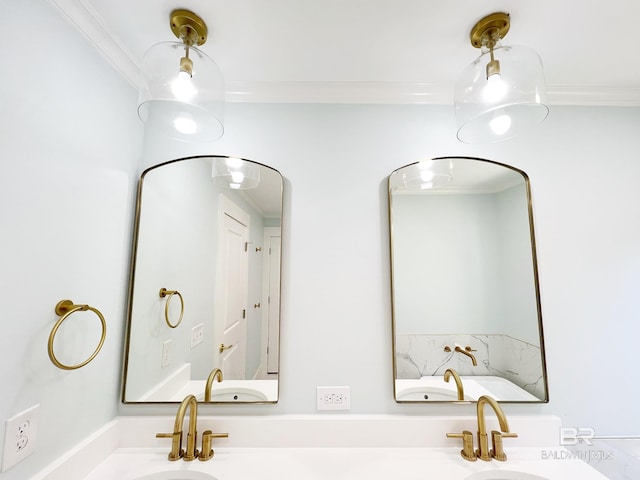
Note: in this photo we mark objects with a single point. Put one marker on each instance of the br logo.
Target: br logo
(573, 436)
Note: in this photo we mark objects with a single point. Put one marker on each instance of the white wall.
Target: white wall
(446, 265)
(177, 247)
(71, 147)
(336, 326)
(466, 266)
(70, 140)
(519, 313)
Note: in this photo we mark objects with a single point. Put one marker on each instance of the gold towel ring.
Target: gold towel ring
(64, 308)
(170, 293)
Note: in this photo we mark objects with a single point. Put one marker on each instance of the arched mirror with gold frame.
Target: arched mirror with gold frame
(205, 283)
(466, 302)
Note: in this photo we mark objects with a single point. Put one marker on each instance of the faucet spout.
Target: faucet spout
(450, 372)
(216, 373)
(189, 403)
(502, 419)
(177, 452)
(468, 354)
(483, 452)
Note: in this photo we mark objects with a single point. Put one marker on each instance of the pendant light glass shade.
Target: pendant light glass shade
(182, 90)
(502, 92)
(426, 175)
(235, 173)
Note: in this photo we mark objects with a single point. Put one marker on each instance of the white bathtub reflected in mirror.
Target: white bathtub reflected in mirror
(435, 389)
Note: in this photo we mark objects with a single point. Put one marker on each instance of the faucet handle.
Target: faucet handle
(207, 437)
(467, 451)
(497, 451)
(176, 452)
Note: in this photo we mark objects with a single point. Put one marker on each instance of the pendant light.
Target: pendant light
(427, 174)
(502, 92)
(235, 173)
(182, 90)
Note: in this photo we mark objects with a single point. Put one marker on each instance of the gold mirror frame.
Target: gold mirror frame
(197, 176)
(451, 349)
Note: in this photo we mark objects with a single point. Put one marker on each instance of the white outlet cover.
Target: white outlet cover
(197, 334)
(20, 437)
(333, 398)
(166, 353)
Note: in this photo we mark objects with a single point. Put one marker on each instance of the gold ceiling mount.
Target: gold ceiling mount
(488, 28)
(188, 27)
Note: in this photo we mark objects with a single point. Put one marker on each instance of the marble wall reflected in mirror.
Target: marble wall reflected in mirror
(205, 283)
(465, 289)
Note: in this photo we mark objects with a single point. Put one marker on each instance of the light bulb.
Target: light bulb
(237, 177)
(500, 123)
(234, 186)
(495, 89)
(185, 125)
(426, 175)
(182, 87)
(233, 162)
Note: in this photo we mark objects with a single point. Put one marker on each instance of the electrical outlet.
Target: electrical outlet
(20, 437)
(197, 334)
(166, 353)
(333, 398)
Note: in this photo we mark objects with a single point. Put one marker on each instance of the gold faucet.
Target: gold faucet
(216, 373)
(177, 452)
(467, 351)
(191, 452)
(483, 452)
(450, 372)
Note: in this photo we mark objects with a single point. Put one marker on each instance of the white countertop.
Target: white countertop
(310, 447)
(338, 463)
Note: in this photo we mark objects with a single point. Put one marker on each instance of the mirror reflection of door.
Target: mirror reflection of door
(230, 330)
(271, 315)
(224, 259)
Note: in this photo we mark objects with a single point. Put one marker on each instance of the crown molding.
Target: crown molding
(340, 92)
(91, 25)
(581, 95)
(82, 15)
(410, 93)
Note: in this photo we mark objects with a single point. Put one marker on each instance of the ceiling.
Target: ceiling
(378, 51)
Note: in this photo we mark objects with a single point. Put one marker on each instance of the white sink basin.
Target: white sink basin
(429, 393)
(504, 475)
(177, 475)
(236, 394)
